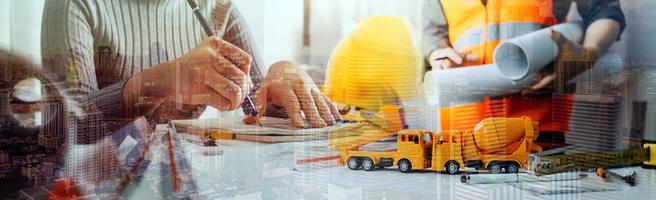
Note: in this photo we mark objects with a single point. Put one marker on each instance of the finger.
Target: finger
(558, 37)
(471, 57)
(333, 108)
(231, 71)
(448, 64)
(261, 100)
(453, 56)
(435, 64)
(543, 83)
(308, 105)
(322, 106)
(249, 119)
(235, 54)
(224, 87)
(217, 101)
(292, 107)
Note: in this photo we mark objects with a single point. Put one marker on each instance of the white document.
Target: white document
(469, 84)
(126, 147)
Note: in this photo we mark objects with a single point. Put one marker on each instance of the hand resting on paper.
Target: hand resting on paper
(289, 92)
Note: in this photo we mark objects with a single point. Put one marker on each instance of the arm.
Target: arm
(434, 28)
(67, 48)
(435, 41)
(605, 21)
(213, 73)
(601, 34)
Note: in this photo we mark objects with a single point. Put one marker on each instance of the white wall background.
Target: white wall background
(277, 27)
(331, 20)
(20, 27)
(4, 24)
(638, 46)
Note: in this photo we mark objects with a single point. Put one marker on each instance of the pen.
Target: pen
(203, 22)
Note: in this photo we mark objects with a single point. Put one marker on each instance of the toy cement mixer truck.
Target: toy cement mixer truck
(501, 145)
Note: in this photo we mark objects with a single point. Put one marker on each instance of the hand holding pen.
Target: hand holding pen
(238, 59)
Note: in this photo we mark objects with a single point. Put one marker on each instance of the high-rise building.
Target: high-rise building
(5, 108)
(91, 157)
(53, 114)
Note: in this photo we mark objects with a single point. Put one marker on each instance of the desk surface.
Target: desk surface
(245, 170)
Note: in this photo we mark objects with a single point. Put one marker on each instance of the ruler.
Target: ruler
(569, 160)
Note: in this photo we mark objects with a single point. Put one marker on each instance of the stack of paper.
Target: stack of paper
(273, 130)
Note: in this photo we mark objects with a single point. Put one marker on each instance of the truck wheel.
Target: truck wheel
(452, 167)
(353, 163)
(512, 168)
(494, 168)
(367, 164)
(405, 166)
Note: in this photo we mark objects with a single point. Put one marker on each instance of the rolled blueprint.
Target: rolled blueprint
(519, 57)
(469, 84)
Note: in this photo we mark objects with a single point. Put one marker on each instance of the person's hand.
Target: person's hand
(446, 58)
(573, 60)
(288, 87)
(215, 73)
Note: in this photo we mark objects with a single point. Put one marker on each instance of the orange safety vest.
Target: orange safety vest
(478, 28)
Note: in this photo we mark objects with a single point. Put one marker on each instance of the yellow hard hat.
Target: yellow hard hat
(378, 64)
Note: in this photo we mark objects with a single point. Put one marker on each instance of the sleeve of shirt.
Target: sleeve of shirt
(68, 63)
(237, 32)
(593, 10)
(434, 27)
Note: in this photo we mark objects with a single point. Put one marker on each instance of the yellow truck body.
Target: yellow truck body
(497, 144)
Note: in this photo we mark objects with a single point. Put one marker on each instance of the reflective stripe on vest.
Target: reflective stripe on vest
(495, 32)
(477, 28)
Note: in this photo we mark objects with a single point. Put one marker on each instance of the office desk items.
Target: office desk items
(628, 179)
(576, 159)
(521, 177)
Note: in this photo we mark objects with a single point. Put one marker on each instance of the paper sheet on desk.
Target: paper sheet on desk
(270, 126)
(273, 130)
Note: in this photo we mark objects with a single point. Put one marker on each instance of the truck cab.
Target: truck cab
(430, 150)
(415, 147)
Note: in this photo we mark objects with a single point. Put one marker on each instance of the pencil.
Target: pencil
(201, 19)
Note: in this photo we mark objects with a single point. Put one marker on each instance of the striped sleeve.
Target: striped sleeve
(67, 48)
(434, 27)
